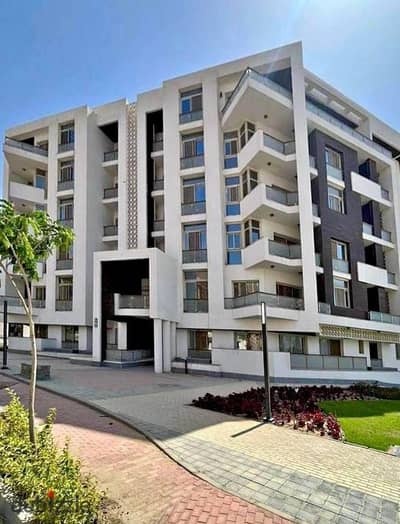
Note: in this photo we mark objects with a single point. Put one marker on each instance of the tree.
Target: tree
(27, 239)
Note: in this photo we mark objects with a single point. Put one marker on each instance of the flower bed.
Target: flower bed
(48, 480)
(294, 407)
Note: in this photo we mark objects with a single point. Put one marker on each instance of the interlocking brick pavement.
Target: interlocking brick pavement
(148, 486)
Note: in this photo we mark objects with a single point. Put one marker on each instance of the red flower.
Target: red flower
(50, 494)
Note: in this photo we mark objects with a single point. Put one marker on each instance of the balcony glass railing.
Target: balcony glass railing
(64, 263)
(385, 194)
(158, 225)
(340, 265)
(110, 192)
(190, 256)
(285, 148)
(192, 161)
(193, 208)
(327, 362)
(69, 146)
(195, 305)
(110, 156)
(251, 73)
(64, 185)
(386, 235)
(185, 118)
(110, 231)
(66, 222)
(334, 172)
(270, 300)
(391, 278)
(324, 308)
(134, 301)
(38, 303)
(25, 147)
(315, 210)
(291, 251)
(158, 142)
(377, 316)
(318, 259)
(356, 134)
(158, 184)
(283, 197)
(368, 229)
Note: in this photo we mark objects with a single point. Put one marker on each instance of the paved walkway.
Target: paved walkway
(143, 483)
(308, 477)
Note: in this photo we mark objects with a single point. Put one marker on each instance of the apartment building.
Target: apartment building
(253, 181)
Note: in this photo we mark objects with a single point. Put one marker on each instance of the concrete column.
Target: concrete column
(122, 335)
(173, 341)
(158, 345)
(84, 338)
(167, 346)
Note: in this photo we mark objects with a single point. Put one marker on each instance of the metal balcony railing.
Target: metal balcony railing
(158, 184)
(193, 208)
(192, 161)
(283, 197)
(377, 316)
(195, 305)
(64, 263)
(158, 142)
(386, 235)
(110, 192)
(356, 134)
(327, 362)
(291, 251)
(110, 156)
(368, 229)
(69, 345)
(63, 305)
(251, 73)
(324, 308)
(110, 231)
(134, 302)
(38, 303)
(184, 118)
(376, 363)
(64, 185)
(285, 148)
(270, 300)
(62, 148)
(190, 256)
(25, 147)
(11, 301)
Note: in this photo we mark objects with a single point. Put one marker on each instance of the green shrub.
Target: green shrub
(49, 480)
(374, 391)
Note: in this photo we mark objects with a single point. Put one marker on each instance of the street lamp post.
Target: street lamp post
(5, 336)
(267, 395)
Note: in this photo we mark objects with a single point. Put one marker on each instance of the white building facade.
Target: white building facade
(249, 182)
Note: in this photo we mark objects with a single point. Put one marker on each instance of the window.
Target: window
(191, 101)
(64, 288)
(67, 133)
(66, 209)
(397, 351)
(194, 237)
(334, 163)
(335, 199)
(249, 181)
(40, 179)
(158, 209)
(361, 347)
(286, 290)
(248, 340)
(66, 171)
(200, 340)
(65, 254)
(194, 196)
(232, 195)
(247, 130)
(230, 149)
(158, 169)
(289, 343)
(196, 285)
(243, 288)
(17, 330)
(39, 293)
(330, 347)
(341, 292)
(233, 244)
(41, 331)
(251, 232)
(192, 145)
(70, 334)
(340, 259)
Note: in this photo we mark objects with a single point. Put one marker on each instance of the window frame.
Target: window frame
(233, 252)
(346, 292)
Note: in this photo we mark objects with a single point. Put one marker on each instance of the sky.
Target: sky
(57, 55)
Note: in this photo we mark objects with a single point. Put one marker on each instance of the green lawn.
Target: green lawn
(373, 423)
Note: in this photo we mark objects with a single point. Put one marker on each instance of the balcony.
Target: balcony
(158, 184)
(66, 222)
(334, 172)
(269, 253)
(158, 225)
(158, 143)
(131, 305)
(194, 256)
(10, 144)
(251, 95)
(195, 305)
(194, 208)
(387, 318)
(376, 276)
(285, 148)
(111, 156)
(327, 362)
(369, 237)
(26, 192)
(110, 192)
(342, 266)
(63, 148)
(38, 303)
(191, 162)
(186, 118)
(110, 231)
(347, 129)
(65, 185)
(64, 263)
(269, 299)
(63, 305)
(271, 203)
(369, 190)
